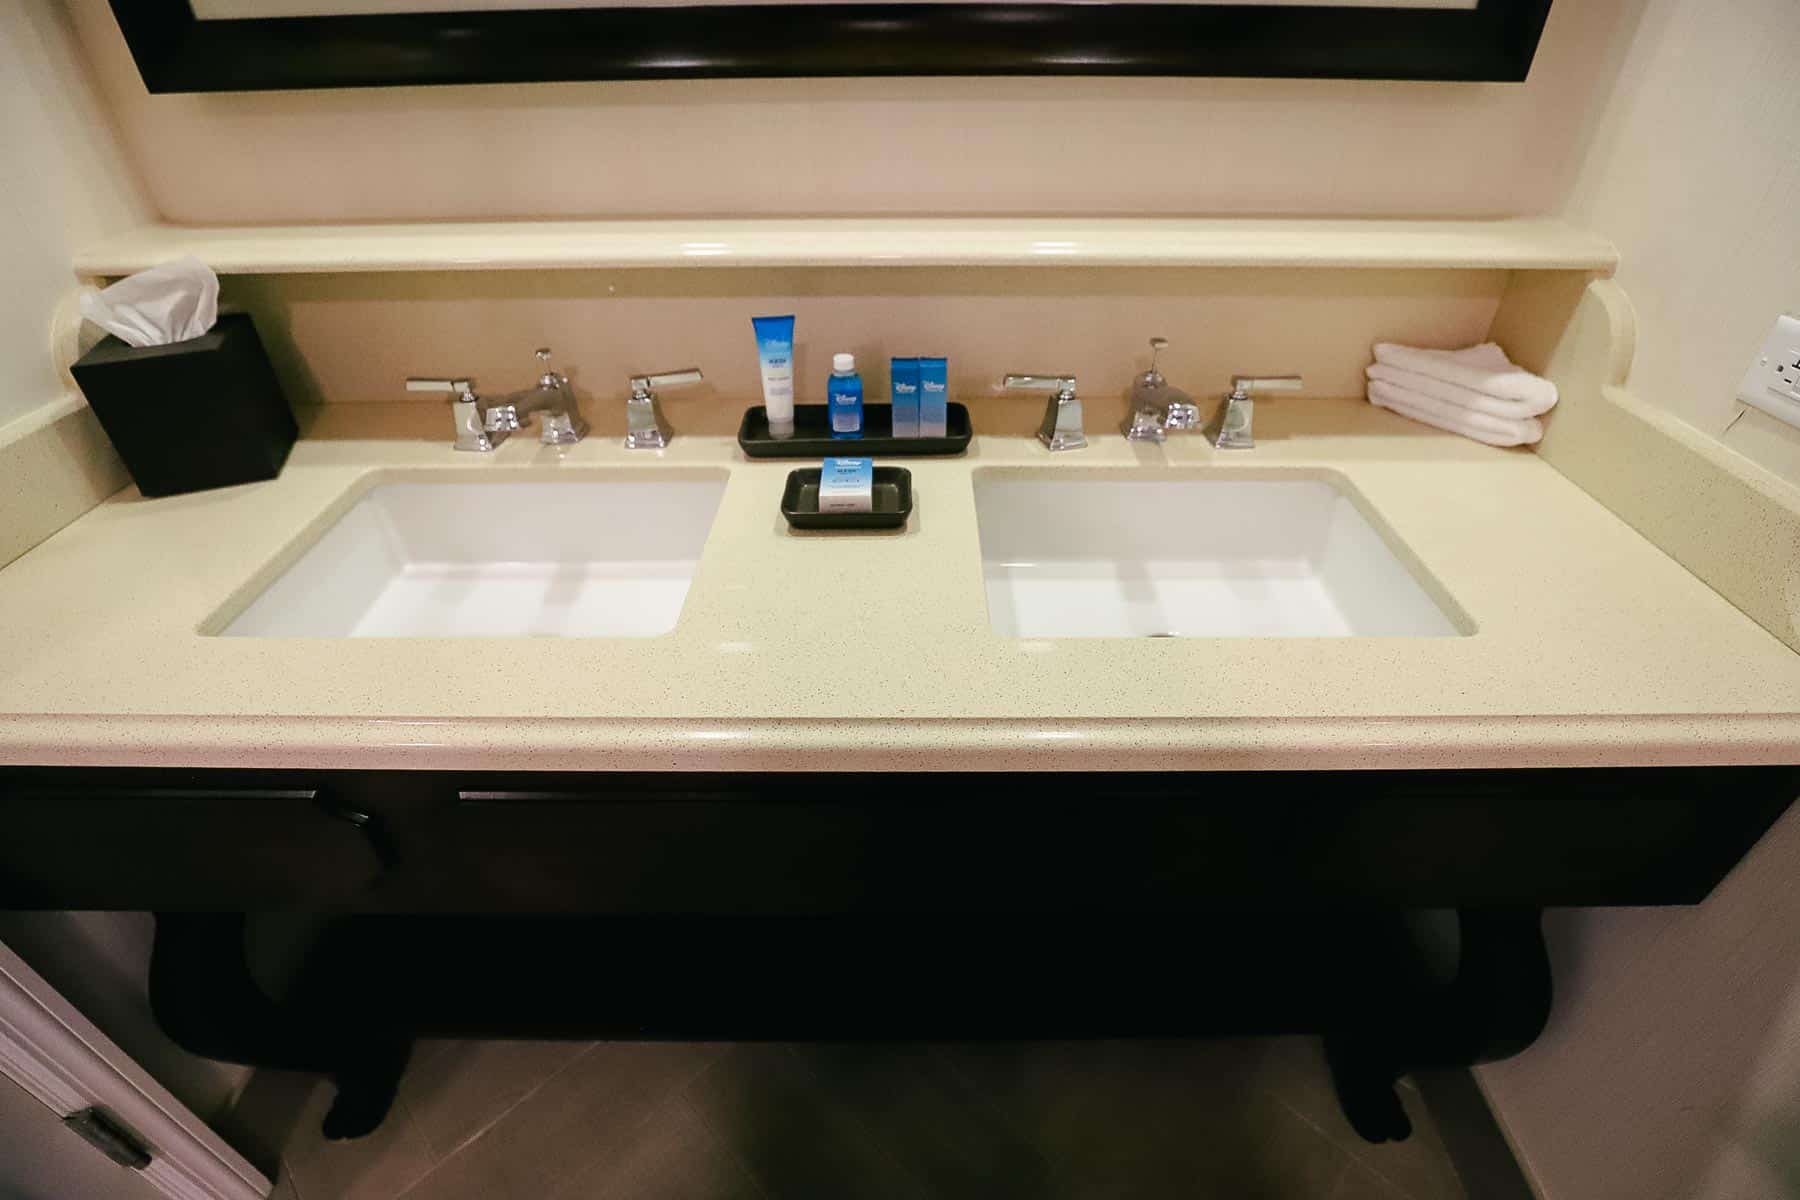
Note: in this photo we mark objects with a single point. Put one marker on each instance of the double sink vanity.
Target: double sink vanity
(494, 709)
(582, 739)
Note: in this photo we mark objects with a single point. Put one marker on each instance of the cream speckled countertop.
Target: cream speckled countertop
(1591, 646)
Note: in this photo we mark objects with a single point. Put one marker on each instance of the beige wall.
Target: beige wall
(872, 145)
(862, 146)
(1094, 323)
(63, 179)
(1695, 173)
(1671, 1070)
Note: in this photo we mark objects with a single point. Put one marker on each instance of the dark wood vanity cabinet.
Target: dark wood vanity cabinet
(695, 843)
(477, 904)
(177, 840)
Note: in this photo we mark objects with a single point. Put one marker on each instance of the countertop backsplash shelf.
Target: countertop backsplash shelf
(1508, 244)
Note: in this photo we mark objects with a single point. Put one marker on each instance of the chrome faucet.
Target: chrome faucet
(465, 409)
(645, 426)
(1061, 429)
(1156, 408)
(1230, 428)
(483, 423)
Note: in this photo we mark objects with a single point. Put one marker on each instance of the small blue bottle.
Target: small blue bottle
(843, 397)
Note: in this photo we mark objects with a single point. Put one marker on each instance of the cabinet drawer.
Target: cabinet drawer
(1140, 843)
(842, 845)
(176, 847)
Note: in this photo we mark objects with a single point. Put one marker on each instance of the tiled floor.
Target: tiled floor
(580, 1121)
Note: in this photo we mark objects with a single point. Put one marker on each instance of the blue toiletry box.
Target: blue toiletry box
(904, 392)
(934, 396)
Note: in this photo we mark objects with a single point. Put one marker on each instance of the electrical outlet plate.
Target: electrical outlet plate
(1772, 383)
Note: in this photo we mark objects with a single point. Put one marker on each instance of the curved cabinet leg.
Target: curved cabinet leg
(366, 1087)
(1364, 1081)
(1503, 989)
(204, 997)
(1494, 1006)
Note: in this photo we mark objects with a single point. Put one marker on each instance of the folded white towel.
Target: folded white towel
(1483, 427)
(1483, 368)
(1455, 393)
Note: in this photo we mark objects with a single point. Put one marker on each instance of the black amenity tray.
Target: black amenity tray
(812, 434)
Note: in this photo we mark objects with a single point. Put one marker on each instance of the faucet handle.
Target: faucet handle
(650, 381)
(1061, 429)
(474, 430)
(464, 388)
(1253, 385)
(1230, 427)
(1035, 382)
(645, 427)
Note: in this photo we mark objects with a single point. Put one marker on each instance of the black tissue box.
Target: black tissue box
(203, 413)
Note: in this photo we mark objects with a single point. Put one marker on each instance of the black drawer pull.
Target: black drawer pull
(373, 828)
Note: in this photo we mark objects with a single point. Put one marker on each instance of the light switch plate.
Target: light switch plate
(1772, 383)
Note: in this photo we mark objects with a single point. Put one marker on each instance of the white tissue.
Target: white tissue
(168, 303)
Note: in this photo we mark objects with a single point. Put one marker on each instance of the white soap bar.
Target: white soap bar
(847, 485)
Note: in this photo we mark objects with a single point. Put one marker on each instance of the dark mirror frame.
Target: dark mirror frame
(176, 52)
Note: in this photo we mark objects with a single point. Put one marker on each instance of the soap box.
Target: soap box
(846, 485)
(904, 392)
(934, 396)
(203, 413)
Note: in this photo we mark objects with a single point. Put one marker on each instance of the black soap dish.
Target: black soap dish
(812, 434)
(891, 500)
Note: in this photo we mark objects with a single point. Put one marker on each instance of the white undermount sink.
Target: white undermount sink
(497, 558)
(1071, 554)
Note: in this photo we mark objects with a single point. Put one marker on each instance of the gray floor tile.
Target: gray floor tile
(929, 1119)
(1091, 1120)
(1360, 1183)
(674, 1156)
(588, 1114)
(377, 1167)
(456, 1089)
(791, 1131)
(1153, 1120)
(1419, 1168)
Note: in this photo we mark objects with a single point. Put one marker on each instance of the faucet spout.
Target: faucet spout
(1157, 408)
(552, 396)
(1181, 413)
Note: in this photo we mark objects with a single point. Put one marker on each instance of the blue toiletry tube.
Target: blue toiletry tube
(934, 397)
(904, 389)
(847, 485)
(844, 398)
(775, 355)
